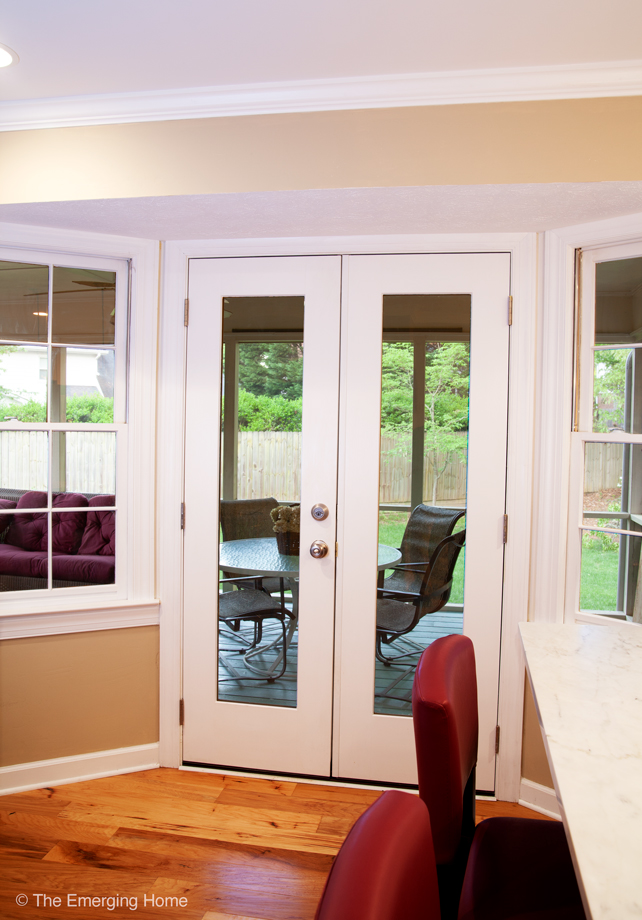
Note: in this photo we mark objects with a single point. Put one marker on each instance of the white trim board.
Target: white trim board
(539, 798)
(86, 619)
(23, 777)
(454, 87)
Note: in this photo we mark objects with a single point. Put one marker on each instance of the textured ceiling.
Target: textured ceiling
(432, 209)
(75, 47)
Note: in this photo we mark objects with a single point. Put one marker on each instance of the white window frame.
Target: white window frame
(583, 422)
(554, 583)
(132, 600)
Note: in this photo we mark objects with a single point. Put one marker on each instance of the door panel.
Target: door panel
(260, 735)
(375, 746)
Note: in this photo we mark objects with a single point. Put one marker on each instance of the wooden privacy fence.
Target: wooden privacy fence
(90, 458)
(269, 463)
(602, 467)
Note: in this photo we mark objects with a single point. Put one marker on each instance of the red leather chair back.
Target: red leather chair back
(444, 712)
(385, 869)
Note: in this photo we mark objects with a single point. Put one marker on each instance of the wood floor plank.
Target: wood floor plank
(261, 786)
(53, 827)
(279, 861)
(491, 809)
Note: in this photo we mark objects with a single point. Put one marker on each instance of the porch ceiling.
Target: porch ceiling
(340, 212)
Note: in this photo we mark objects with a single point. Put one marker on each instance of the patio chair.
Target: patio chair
(511, 867)
(253, 605)
(427, 526)
(385, 869)
(399, 612)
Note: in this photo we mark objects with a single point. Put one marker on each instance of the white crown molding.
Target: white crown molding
(509, 84)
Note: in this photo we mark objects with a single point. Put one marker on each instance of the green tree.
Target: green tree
(271, 369)
(446, 406)
(609, 384)
(268, 413)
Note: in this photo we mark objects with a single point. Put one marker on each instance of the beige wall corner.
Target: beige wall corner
(76, 693)
(570, 140)
(534, 761)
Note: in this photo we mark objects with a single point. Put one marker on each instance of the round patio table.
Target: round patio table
(260, 557)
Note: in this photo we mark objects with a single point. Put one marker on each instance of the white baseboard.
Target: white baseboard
(23, 777)
(539, 798)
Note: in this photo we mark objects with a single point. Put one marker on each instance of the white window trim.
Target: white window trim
(523, 249)
(137, 591)
(554, 586)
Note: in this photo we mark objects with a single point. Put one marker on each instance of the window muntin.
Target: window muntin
(62, 406)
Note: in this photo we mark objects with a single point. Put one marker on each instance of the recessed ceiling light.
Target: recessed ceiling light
(7, 56)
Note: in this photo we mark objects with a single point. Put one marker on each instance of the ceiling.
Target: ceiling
(340, 212)
(75, 47)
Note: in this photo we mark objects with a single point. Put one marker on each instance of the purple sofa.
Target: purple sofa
(82, 542)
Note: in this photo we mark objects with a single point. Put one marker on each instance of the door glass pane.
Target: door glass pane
(24, 302)
(617, 362)
(84, 306)
(260, 492)
(612, 501)
(424, 445)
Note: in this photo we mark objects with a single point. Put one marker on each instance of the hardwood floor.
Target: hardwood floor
(218, 847)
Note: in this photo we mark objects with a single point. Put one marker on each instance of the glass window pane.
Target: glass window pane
(24, 299)
(424, 435)
(84, 306)
(23, 383)
(82, 385)
(617, 371)
(260, 472)
(24, 458)
(84, 545)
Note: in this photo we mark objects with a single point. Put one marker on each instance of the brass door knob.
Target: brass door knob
(319, 549)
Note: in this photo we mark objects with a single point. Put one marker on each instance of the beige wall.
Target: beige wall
(577, 140)
(534, 762)
(77, 693)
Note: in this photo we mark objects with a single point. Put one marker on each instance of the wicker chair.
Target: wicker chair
(248, 519)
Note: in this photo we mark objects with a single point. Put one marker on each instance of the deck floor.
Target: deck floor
(282, 692)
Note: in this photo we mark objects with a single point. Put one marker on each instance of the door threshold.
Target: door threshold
(340, 782)
(344, 782)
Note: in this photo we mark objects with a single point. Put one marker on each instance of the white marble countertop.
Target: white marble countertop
(587, 683)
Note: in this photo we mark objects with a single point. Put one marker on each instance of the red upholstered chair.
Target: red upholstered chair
(385, 869)
(514, 867)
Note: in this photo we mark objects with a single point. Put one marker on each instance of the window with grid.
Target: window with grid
(63, 337)
(606, 461)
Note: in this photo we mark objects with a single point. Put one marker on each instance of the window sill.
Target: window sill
(83, 616)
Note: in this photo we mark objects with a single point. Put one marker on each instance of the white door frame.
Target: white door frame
(523, 250)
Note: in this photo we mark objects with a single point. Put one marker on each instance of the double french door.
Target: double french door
(368, 385)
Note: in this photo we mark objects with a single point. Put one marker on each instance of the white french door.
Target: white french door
(333, 311)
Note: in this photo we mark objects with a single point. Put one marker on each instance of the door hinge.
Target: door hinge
(505, 528)
(181, 712)
(186, 314)
(182, 515)
(510, 310)
(496, 738)
(336, 550)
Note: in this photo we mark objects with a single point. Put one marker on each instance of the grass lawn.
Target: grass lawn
(598, 589)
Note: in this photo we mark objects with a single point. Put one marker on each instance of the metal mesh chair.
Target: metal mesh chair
(253, 605)
(398, 612)
(427, 526)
